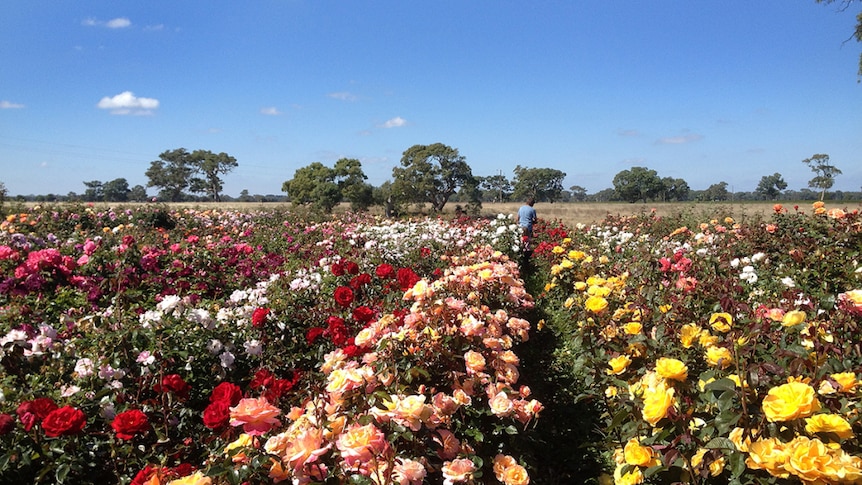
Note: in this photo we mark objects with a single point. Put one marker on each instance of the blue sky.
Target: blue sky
(707, 91)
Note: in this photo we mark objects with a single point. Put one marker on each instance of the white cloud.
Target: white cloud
(343, 96)
(10, 105)
(394, 122)
(117, 23)
(127, 103)
(270, 111)
(629, 133)
(679, 140)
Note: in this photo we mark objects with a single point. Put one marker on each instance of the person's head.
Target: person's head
(531, 201)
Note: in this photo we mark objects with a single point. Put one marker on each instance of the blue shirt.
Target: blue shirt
(526, 216)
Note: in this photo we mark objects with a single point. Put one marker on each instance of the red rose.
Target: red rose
(64, 421)
(363, 314)
(337, 269)
(312, 334)
(343, 296)
(385, 271)
(359, 281)
(262, 378)
(175, 384)
(351, 267)
(337, 330)
(7, 423)
(217, 415)
(227, 392)
(33, 412)
(129, 423)
(258, 317)
(406, 278)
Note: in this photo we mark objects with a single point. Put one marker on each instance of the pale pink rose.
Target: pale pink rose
(474, 361)
(255, 415)
(507, 373)
(459, 470)
(501, 405)
(471, 326)
(409, 472)
(359, 445)
(305, 448)
(444, 404)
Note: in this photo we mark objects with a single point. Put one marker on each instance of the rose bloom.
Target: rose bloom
(458, 471)
(596, 304)
(343, 296)
(255, 415)
(299, 446)
(196, 478)
(632, 328)
(258, 317)
(64, 421)
(846, 382)
(718, 356)
(792, 318)
(217, 414)
(7, 423)
(769, 454)
(688, 334)
(632, 477)
(501, 462)
(657, 401)
(636, 454)
(671, 369)
(790, 401)
(851, 301)
(227, 392)
(474, 361)
(500, 404)
(619, 364)
(829, 423)
(359, 445)
(130, 423)
(808, 459)
(174, 383)
(408, 472)
(721, 322)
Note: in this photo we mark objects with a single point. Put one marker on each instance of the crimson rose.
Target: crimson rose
(343, 296)
(64, 421)
(129, 423)
(217, 415)
(174, 383)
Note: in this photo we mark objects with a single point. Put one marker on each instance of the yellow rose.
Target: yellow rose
(829, 423)
(657, 401)
(736, 437)
(846, 381)
(638, 455)
(632, 477)
(196, 478)
(792, 318)
(637, 349)
(596, 304)
(770, 455)
(721, 322)
(558, 250)
(688, 334)
(719, 357)
(632, 328)
(576, 255)
(715, 467)
(706, 339)
(671, 369)
(601, 291)
(807, 459)
(515, 475)
(619, 364)
(790, 401)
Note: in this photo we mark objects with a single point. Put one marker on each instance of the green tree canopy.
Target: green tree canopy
(497, 187)
(770, 186)
(637, 183)
(579, 194)
(322, 188)
(430, 173)
(210, 166)
(824, 173)
(171, 173)
(674, 189)
(715, 192)
(116, 190)
(544, 184)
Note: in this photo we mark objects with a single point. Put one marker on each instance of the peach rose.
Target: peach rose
(359, 445)
(255, 415)
(459, 470)
(474, 361)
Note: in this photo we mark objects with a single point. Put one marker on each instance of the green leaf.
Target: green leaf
(724, 384)
(720, 444)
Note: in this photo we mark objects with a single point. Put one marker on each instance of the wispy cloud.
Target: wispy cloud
(343, 96)
(629, 133)
(117, 23)
(126, 103)
(10, 105)
(270, 111)
(679, 140)
(394, 122)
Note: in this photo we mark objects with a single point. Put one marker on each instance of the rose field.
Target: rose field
(155, 345)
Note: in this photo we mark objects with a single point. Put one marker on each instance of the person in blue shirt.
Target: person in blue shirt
(526, 218)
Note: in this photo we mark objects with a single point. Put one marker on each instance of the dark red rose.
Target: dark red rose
(262, 378)
(312, 334)
(217, 415)
(227, 392)
(130, 423)
(143, 477)
(337, 330)
(33, 412)
(385, 271)
(351, 267)
(258, 317)
(175, 384)
(425, 252)
(279, 388)
(337, 268)
(343, 296)
(360, 280)
(406, 278)
(363, 314)
(7, 423)
(64, 421)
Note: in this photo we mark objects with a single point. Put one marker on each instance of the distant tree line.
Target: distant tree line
(432, 175)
